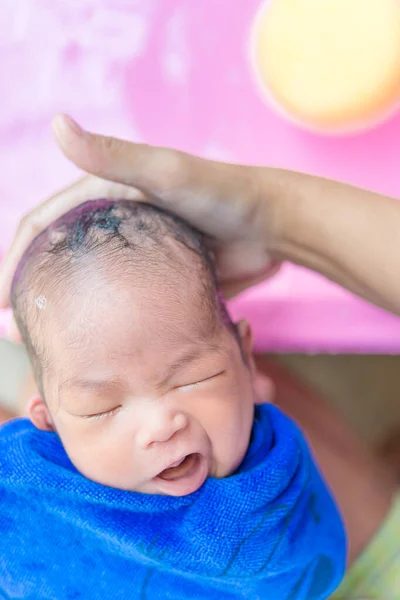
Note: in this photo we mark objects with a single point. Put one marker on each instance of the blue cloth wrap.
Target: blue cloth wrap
(269, 531)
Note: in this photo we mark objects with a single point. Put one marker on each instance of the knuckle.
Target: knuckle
(111, 144)
(106, 150)
(171, 168)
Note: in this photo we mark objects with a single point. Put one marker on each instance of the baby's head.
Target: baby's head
(137, 361)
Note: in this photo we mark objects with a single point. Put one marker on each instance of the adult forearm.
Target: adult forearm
(349, 235)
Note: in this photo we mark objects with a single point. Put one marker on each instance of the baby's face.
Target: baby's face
(146, 395)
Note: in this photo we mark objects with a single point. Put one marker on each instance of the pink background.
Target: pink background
(176, 72)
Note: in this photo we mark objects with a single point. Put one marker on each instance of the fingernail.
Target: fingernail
(64, 125)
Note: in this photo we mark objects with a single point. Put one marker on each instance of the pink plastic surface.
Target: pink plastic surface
(176, 72)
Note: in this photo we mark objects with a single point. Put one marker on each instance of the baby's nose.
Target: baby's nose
(160, 427)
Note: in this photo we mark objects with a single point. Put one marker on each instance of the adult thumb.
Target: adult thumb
(150, 169)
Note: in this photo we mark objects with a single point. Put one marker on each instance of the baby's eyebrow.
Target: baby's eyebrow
(92, 384)
(180, 363)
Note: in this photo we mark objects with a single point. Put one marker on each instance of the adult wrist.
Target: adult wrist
(278, 210)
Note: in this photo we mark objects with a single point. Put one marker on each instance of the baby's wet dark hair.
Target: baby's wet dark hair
(123, 234)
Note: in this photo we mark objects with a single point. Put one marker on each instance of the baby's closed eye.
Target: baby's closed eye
(102, 415)
(181, 387)
(188, 386)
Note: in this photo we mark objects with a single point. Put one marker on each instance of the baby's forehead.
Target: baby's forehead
(126, 313)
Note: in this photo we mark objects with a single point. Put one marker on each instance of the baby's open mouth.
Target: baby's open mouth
(184, 476)
(183, 468)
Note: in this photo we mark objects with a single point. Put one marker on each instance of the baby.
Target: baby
(149, 471)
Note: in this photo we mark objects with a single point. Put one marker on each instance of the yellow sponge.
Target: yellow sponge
(332, 65)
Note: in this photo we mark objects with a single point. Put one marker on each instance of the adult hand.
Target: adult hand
(255, 216)
(222, 200)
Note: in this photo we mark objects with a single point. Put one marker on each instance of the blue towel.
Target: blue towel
(269, 531)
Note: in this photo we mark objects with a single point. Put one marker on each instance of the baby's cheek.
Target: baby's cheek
(87, 453)
(228, 418)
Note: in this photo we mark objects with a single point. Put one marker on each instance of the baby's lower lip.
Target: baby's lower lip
(185, 478)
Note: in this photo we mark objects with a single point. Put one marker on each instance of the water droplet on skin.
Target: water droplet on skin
(41, 302)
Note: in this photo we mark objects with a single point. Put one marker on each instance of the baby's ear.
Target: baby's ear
(246, 343)
(39, 414)
(264, 389)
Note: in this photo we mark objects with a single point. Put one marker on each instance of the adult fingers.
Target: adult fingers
(232, 287)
